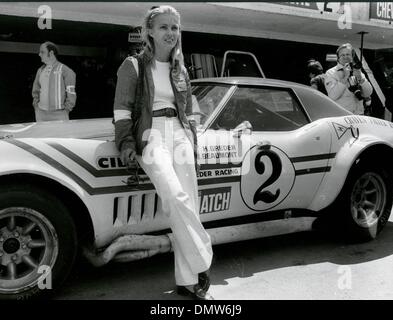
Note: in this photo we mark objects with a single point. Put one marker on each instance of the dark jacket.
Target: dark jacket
(135, 93)
(319, 82)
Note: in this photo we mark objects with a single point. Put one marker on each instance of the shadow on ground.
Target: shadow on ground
(153, 279)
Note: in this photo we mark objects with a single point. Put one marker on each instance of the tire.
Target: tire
(38, 242)
(364, 205)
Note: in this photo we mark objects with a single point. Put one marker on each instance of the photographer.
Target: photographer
(346, 84)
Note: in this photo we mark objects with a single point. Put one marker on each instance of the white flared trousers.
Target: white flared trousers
(168, 160)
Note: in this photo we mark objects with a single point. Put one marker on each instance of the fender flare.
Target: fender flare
(345, 159)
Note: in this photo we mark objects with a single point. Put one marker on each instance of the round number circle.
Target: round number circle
(267, 177)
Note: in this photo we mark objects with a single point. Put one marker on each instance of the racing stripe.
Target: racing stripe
(102, 190)
(123, 172)
(203, 182)
(209, 166)
(313, 157)
(312, 170)
(83, 184)
(87, 166)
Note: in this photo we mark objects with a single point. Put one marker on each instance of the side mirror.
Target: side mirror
(244, 127)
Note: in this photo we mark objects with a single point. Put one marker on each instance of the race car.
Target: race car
(274, 157)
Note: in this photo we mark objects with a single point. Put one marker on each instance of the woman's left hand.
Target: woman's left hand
(127, 156)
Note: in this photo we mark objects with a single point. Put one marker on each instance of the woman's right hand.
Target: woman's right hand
(127, 156)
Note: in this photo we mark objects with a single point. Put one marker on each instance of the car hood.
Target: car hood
(79, 129)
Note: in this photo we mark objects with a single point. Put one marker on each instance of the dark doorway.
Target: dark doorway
(16, 79)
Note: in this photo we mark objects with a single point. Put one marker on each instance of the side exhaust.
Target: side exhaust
(135, 247)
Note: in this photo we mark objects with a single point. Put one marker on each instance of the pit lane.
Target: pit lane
(298, 266)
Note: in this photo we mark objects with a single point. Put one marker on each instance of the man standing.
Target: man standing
(53, 91)
(346, 84)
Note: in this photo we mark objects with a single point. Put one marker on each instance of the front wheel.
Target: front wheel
(37, 242)
(365, 202)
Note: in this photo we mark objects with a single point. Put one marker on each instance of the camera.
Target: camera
(354, 87)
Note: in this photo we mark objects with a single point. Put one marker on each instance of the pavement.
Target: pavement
(305, 266)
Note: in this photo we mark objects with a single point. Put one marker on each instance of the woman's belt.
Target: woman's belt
(165, 112)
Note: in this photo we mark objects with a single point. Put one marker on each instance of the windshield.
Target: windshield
(205, 99)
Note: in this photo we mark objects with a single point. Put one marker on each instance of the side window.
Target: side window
(267, 109)
(318, 105)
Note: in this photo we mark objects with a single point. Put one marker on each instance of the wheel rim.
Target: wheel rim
(368, 199)
(28, 240)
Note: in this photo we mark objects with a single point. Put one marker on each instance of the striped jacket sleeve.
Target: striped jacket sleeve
(69, 79)
(123, 105)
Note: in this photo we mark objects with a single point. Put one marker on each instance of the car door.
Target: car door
(282, 162)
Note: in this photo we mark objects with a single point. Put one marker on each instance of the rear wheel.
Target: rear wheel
(37, 242)
(364, 205)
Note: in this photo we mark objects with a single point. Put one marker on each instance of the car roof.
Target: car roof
(251, 81)
(315, 103)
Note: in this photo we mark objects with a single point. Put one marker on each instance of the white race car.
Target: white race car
(275, 157)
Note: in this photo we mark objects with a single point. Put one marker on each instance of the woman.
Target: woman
(152, 99)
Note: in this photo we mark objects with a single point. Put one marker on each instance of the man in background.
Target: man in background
(53, 91)
(346, 84)
(317, 77)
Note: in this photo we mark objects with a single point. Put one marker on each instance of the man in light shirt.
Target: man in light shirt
(53, 91)
(346, 84)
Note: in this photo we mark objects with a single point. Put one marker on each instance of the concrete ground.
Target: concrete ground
(297, 266)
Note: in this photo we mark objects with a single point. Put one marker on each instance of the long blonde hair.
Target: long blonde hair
(177, 59)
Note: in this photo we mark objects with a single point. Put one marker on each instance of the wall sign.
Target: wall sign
(381, 11)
